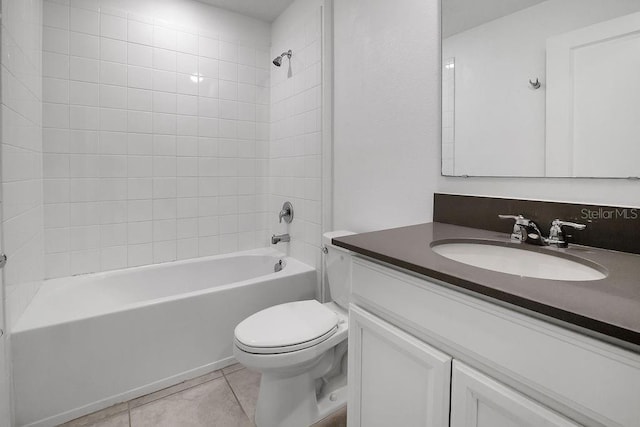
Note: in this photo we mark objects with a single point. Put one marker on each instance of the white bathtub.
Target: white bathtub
(87, 342)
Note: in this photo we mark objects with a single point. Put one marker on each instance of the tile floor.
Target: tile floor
(224, 398)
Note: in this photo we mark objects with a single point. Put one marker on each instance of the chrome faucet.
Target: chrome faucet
(527, 231)
(277, 238)
(557, 236)
(286, 213)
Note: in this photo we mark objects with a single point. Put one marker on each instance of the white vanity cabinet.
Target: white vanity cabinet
(397, 378)
(479, 401)
(508, 369)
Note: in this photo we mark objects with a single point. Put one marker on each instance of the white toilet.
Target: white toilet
(300, 348)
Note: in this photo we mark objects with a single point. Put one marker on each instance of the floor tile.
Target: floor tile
(208, 404)
(174, 389)
(111, 416)
(245, 385)
(232, 368)
(337, 419)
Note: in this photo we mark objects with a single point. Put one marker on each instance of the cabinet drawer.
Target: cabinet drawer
(591, 377)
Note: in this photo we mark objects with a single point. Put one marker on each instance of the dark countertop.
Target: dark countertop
(610, 306)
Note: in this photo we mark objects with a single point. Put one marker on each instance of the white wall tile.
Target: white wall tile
(84, 45)
(228, 52)
(164, 81)
(139, 122)
(114, 27)
(84, 21)
(208, 67)
(113, 258)
(55, 115)
(188, 84)
(139, 77)
(139, 99)
(187, 105)
(55, 40)
(164, 59)
(140, 32)
(113, 96)
(113, 50)
(83, 69)
(187, 42)
(55, 65)
(55, 15)
(55, 90)
(140, 254)
(164, 37)
(186, 63)
(133, 119)
(113, 119)
(84, 118)
(82, 93)
(208, 47)
(140, 55)
(113, 73)
(228, 71)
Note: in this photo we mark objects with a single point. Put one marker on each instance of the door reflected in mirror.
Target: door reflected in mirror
(536, 88)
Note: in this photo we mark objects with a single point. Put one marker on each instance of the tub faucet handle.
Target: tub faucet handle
(286, 213)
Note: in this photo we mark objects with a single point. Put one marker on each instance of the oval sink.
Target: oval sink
(521, 262)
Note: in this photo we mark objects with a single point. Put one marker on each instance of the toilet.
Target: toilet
(300, 349)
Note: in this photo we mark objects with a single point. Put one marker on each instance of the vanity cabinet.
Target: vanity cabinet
(508, 368)
(397, 377)
(479, 401)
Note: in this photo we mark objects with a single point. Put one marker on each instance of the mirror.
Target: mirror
(534, 88)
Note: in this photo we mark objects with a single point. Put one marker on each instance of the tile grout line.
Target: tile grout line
(170, 394)
(236, 396)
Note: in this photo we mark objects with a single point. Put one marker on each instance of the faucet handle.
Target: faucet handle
(556, 234)
(286, 213)
(519, 231)
(520, 220)
(560, 223)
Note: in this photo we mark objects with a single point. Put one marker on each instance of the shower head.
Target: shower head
(278, 61)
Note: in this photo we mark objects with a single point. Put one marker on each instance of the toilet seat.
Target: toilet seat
(286, 328)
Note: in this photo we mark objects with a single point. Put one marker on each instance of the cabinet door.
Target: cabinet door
(479, 401)
(394, 378)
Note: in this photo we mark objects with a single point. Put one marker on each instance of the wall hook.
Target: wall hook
(535, 85)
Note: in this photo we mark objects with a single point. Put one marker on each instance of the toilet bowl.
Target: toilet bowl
(300, 349)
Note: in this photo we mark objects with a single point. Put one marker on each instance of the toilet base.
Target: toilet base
(292, 402)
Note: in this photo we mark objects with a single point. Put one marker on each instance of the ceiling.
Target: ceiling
(462, 15)
(266, 10)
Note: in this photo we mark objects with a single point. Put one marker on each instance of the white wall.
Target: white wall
(596, 191)
(22, 236)
(296, 129)
(496, 112)
(387, 112)
(22, 151)
(156, 133)
(387, 124)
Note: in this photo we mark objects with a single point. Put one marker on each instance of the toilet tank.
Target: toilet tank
(337, 262)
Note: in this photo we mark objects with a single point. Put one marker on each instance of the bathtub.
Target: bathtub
(88, 342)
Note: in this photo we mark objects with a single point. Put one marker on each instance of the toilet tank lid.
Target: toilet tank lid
(326, 237)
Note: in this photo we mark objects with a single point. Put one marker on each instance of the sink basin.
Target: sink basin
(521, 262)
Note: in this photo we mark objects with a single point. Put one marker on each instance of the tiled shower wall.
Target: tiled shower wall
(155, 135)
(22, 152)
(296, 128)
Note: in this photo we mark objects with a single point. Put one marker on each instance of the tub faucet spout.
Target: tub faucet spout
(277, 238)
